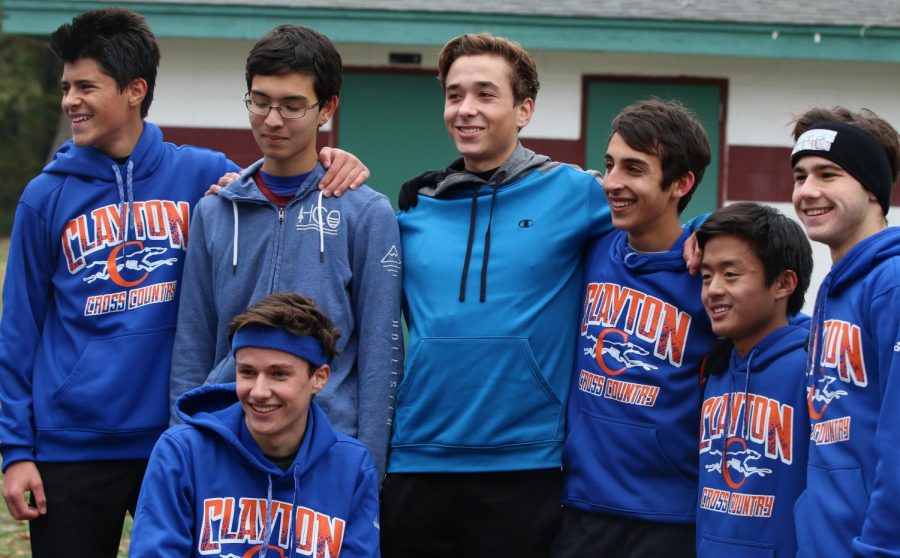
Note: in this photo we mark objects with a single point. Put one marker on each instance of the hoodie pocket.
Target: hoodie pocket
(477, 393)
(836, 497)
(119, 384)
(619, 465)
(715, 547)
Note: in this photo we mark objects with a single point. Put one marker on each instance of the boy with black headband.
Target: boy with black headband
(258, 466)
(844, 167)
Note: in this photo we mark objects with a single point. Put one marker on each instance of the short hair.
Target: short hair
(670, 131)
(294, 48)
(119, 40)
(523, 75)
(777, 240)
(295, 313)
(865, 119)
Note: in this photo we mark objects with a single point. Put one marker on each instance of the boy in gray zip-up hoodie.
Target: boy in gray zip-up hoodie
(272, 230)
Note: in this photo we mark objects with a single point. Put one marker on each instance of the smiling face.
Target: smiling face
(834, 207)
(100, 115)
(288, 145)
(480, 112)
(639, 205)
(275, 389)
(739, 304)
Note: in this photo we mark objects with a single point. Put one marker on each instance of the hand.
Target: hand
(692, 254)
(20, 477)
(227, 179)
(343, 171)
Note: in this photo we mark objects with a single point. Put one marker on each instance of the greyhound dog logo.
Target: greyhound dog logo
(620, 351)
(145, 259)
(737, 461)
(823, 395)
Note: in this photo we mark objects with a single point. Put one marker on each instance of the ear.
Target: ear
(136, 91)
(682, 186)
(785, 284)
(320, 378)
(328, 110)
(524, 112)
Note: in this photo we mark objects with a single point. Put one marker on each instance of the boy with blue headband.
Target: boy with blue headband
(257, 469)
(845, 165)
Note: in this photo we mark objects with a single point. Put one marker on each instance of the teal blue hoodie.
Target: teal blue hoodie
(492, 276)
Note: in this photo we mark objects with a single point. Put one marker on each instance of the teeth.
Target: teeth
(79, 119)
(621, 203)
(469, 130)
(719, 309)
(816, 212)
(264, 408)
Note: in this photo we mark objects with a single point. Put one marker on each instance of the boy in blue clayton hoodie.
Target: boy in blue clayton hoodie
(91, 293)
(272, 230)
(754, 428)
(257, 469)
(629, 464)
(844, 167)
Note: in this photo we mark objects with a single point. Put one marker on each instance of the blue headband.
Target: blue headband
(301, 346)
(854, 150)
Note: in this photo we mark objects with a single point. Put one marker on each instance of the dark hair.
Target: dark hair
(295, 313)
(119, 40)
(778, 242)
(865, 119)
(523, 76)
(670, 131)
(293, 48)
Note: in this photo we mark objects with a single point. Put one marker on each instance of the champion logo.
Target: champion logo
(897, 347)
(526, 223)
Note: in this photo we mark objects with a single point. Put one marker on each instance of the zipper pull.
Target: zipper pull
(281, 215)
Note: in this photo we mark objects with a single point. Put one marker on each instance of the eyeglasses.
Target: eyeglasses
(288, 112)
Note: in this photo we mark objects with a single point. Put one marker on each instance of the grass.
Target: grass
(14, 539)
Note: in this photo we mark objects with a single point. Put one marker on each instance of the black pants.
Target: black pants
(470, 515)
(86, 505)
(586, 534)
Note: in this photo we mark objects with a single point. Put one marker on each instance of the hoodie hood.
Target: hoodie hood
(89, 162)
(863, 258)
(649, 262)
(520, 162)
(245, 188)
(773, 346)
(215, 408)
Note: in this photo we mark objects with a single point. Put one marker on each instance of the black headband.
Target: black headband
(854, 150)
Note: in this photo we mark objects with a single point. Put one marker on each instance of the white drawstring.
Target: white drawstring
(234, 238)
(321, 231)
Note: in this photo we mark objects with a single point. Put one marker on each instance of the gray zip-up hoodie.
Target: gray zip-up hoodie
(344, 253)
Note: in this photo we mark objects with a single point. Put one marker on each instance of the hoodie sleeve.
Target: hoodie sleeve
(879, 533)
(599, 216)
(27, 291)
(164, 520)
(193, 354)
(375, 296)
(363, 531)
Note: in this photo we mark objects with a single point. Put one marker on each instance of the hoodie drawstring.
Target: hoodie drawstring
(487, 246)
(234, 238)
(126, 210)
(321, 230)
(728, 414)
(267, 529)
(465, 270)
(292, 545)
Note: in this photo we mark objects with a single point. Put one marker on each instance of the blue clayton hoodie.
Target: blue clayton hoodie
(851, 503)
(634, 403)
(489, 367)
(244, 247)
(747, 493)
(89, 306)
(209, 490)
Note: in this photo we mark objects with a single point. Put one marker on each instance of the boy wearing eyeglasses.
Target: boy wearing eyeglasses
(272, 230)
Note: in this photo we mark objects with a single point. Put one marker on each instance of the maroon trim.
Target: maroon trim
(238, 145)
(723, 118)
